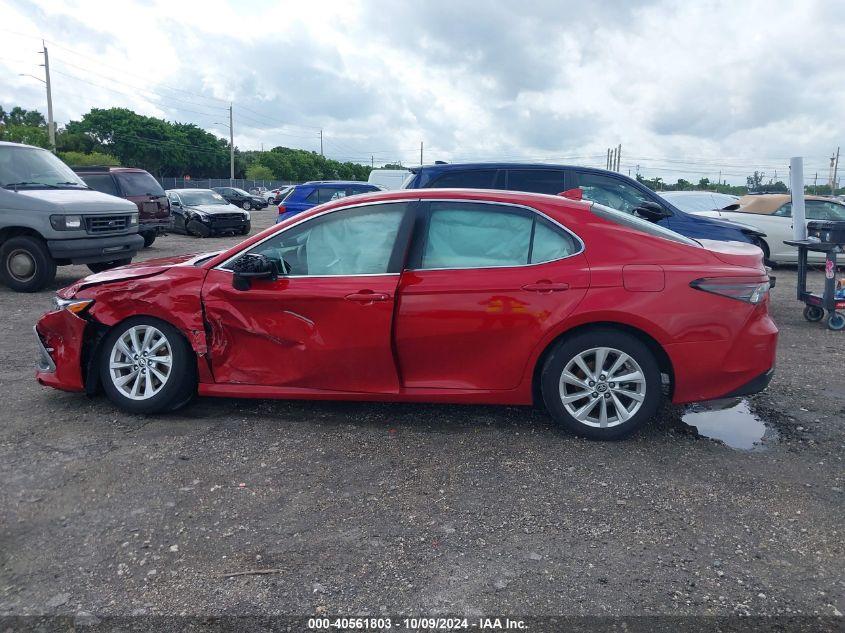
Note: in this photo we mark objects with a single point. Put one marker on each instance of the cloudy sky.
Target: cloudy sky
(687, 87)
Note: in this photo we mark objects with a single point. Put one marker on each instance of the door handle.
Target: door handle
(367, 296)
(544, 285)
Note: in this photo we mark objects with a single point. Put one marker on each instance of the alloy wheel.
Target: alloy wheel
(140, 362)
(602, 387)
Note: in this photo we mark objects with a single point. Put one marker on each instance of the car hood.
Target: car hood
(214, 209)
(138, 270)
(72, 201)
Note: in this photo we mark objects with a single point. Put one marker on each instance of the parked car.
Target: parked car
(204, 212)
(261, 192)
(599, 185)
(138, 186)
(49, 217)
(772, 214)
(694, 201)
(437, 295)
(275, 196)
(389, 179)
(302, 197)
(241, 198)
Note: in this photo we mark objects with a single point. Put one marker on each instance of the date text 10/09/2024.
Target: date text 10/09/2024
(415, 624)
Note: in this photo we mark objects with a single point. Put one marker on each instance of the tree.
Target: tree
(80, 159)
(754, 181)
(257, 171)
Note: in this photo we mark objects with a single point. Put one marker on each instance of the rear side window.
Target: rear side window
(324, 194)
(102, 182)
(138, 183)
(471, 235)
(466, 179)
(548, 181)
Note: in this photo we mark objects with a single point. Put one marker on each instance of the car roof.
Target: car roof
(11, 144)
(681, 194)
(97, 169)
(190, 189)
(767, 203)
(339, 183)
(495, 165)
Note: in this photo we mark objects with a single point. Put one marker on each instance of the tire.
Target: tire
(245, 230)
(813, 314)
(149, 238)
(99, 267)
(763, 246)
(26, 264)
(138, 385)
(605, 395)
(194, 227)
(836, 321)
(246, 205)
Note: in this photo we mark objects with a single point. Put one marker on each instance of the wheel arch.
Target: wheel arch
(8, 232)
(664, 363)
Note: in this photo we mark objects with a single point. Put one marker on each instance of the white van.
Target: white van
(390, 179)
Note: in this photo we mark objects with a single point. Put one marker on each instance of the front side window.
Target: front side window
(356, 241)
(610, 192)
(548, 181)
(472, 235)
(138, 183)
(823, 210)
(784, 211)
(103, 183)
(174, 198)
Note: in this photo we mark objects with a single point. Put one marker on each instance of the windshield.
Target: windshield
(639, 224)
(699, 202)
(201, 196)
(138, 183)
(30, 167)
(240, 191)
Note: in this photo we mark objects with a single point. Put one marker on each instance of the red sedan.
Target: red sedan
(456, 296)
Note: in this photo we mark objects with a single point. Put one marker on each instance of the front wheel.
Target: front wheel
(602, 384)
(149, 238)
(26, 264)
(147, 366)
(99, 267)
(246, 228)
(836, 321)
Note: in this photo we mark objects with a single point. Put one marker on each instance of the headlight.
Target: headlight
(133, 219)
(247, 216)
(66, 222)
(201, 215)
(77, 306)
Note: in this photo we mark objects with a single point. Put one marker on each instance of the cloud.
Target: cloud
(682, 86)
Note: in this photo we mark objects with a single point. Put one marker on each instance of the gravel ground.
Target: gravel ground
(415, 509)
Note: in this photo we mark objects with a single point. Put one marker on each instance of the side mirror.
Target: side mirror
(175, 203)
(254, 266)
(652, 211)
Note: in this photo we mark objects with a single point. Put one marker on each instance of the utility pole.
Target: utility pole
(51, 128)
(638, 171)
(815, 182)
(835, 169)
(421, 153)
(618, 156)
(372, 162)
(720, 176)
(231, 146)
(321, 142)
(607, 162)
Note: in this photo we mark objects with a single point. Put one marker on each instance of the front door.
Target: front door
(326, 324)
(485, 282)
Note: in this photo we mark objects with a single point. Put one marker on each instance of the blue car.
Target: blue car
(302, 197)
(609, 188)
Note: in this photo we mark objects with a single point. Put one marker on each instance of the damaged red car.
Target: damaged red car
(457, 296)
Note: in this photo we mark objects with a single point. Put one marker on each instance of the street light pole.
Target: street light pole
(51, 129)
(231, 147)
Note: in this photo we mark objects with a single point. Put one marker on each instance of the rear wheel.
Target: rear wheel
(147, 366)
(99, 267)
(761, 244)
(602, 384)
(247, 205)
(813, 313)
(149, 238)
(26, 264)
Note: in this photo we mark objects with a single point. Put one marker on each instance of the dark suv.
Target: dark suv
(138, 186)
(598, 185)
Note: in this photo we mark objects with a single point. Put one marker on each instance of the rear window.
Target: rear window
(103, 183)
(639, 224)
(138, 183)
(466, 179)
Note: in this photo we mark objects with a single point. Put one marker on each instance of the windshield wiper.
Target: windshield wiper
(15, 185)
(75, 184)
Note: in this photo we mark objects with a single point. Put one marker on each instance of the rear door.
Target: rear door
(484, 282)
(325, 325)
(469, 179)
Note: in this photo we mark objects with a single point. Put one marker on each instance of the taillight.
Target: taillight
(282, 209)
(742, 289)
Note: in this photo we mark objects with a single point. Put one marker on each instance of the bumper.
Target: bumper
(60, 336)
(159, 227)
(96, 249)
(219, 226)
(742, 365)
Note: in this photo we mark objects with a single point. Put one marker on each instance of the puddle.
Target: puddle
(731, 422)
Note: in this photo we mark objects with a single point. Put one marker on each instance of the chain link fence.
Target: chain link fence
(208, 183)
